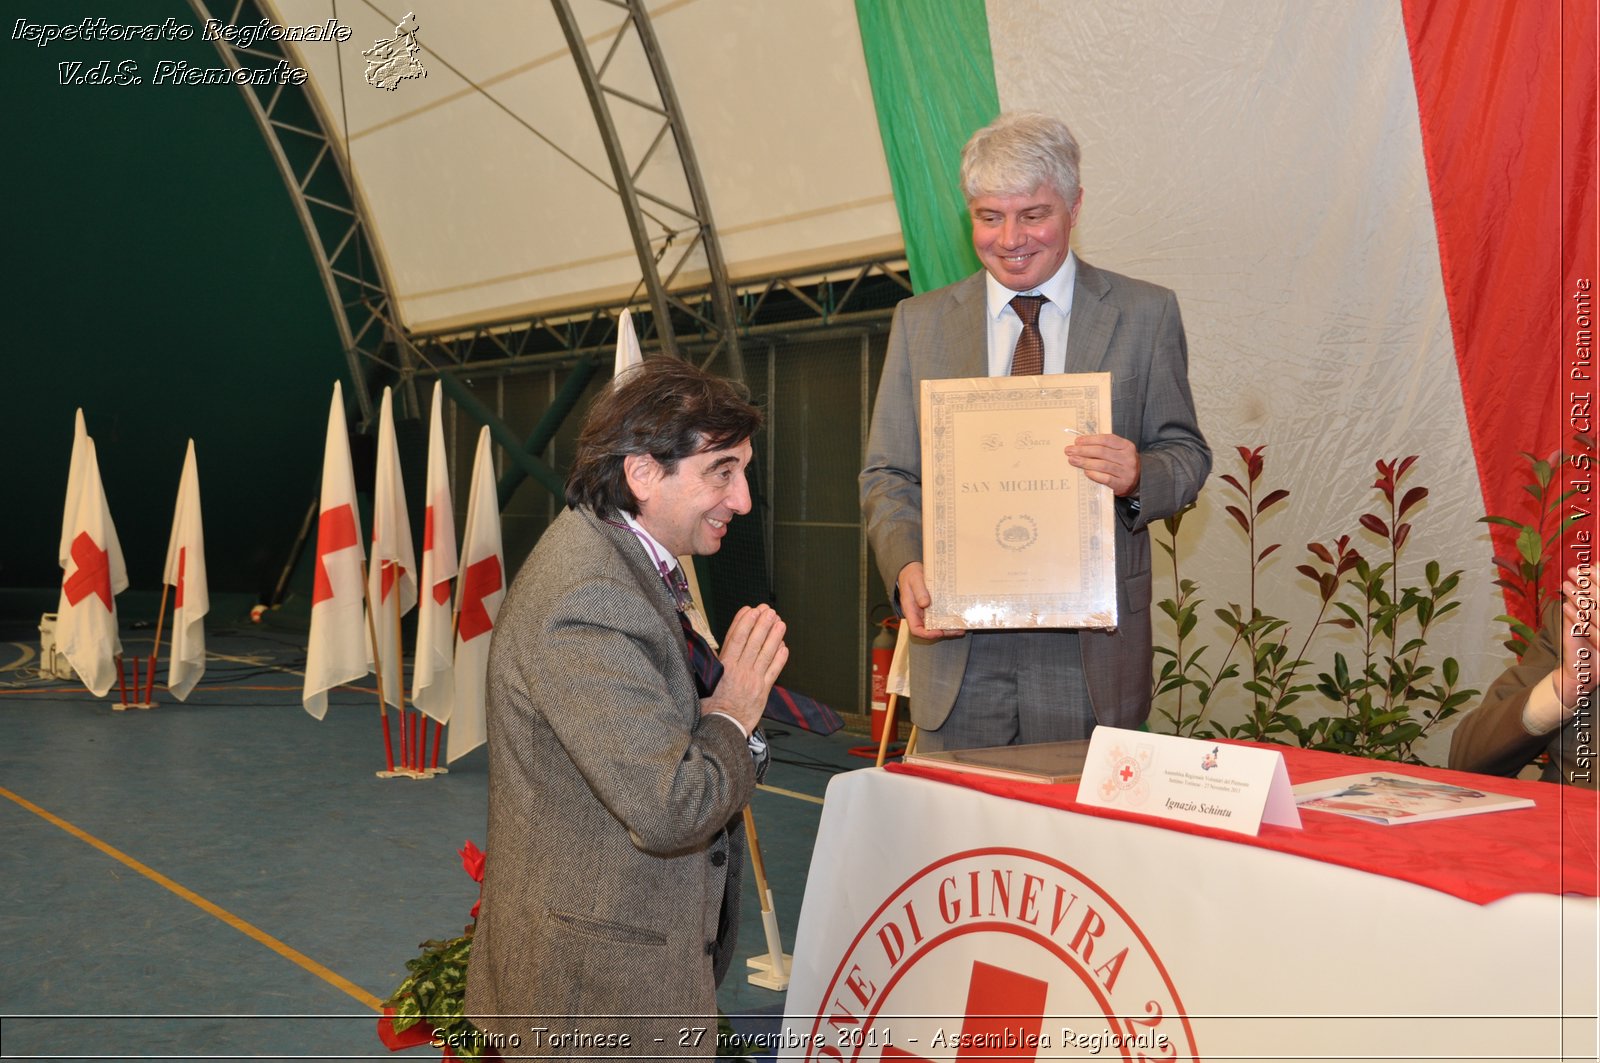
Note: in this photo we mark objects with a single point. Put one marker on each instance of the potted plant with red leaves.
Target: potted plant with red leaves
(428, 1008)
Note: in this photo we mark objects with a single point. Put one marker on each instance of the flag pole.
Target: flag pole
(455, 632)
(771, 970)
(407, 749)
(155, 651)
(122, 683)
(372, 634)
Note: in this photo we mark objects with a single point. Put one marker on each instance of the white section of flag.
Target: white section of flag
(92, 572)
(628, 352)
(899, 681)
(392, 575)
(433, 689)
(338, 650)
(480, 590)
(185, 572)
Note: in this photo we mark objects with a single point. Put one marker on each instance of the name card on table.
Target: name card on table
(1234, 788)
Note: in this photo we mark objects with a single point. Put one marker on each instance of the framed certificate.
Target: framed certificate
(1013, 536)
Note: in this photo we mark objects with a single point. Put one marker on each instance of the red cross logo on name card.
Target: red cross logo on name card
(1005, 1012)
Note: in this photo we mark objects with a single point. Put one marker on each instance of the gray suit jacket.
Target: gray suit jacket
(1491, 738)
(615, 843)
(1125, 327)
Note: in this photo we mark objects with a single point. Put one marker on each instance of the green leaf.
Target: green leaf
(1529, 545)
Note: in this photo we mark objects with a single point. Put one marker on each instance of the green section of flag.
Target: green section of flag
(933, 85)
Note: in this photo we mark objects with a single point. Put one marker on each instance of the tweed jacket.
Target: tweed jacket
(1491, 738)
(1125, 327)
(615, 843)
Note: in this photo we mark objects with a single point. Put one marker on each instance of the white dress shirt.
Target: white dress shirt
(1004, 326)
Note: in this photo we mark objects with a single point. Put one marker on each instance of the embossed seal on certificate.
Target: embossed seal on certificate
(1016, 532)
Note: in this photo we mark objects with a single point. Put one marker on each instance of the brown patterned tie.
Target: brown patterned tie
(1028, 358)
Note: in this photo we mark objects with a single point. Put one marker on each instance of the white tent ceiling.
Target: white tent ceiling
(487, 183)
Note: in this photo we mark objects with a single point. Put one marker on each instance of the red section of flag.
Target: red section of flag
(388, 572)
(483, 578)
(336, 530)
(1491, 94)
(183, 557)
(92, 574)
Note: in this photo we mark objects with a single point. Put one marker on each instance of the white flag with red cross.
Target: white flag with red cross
(186, 573)
(392, 576)
(433, 689)
(482, 589)
(92, 572)
(338, 650)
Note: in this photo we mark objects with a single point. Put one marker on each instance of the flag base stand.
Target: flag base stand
(763, 975)
(123, 706)
(393, 774)
(772, 970)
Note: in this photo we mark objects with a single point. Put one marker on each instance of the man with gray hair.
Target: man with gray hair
(1034, 308)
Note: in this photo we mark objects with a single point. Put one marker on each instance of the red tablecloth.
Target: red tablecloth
(1549, 848)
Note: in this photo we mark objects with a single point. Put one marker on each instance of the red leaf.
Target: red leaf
(1263, 555)
(1373, 523)
(1413, 496)
(472, 859)
(1271, 500)
(1321, 552)
(1228, 479)
(1257, 463)
(1404, 465)
(1329, 584)
(1308, 572)
(1238, 515)
(1401, 531)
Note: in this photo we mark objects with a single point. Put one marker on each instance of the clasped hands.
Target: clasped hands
(753, 654)
(1575, 675)
(1105, 459)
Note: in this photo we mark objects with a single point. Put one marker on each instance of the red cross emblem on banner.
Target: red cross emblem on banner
(93, 573)
(999, 1002)
(482, 579)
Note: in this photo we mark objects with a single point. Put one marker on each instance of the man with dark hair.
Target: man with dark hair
(1035, 308)
(616, 781)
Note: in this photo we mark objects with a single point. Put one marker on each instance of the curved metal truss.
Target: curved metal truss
(854, 294)
(314, 169)
(714, 316)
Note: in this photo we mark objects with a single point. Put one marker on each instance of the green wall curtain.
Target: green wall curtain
(932, 85)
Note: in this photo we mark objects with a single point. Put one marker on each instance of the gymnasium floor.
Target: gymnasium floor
(227, 877)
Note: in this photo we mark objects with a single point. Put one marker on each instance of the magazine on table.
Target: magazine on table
(1382, 797)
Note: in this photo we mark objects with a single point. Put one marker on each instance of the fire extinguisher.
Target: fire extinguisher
(882, 657)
